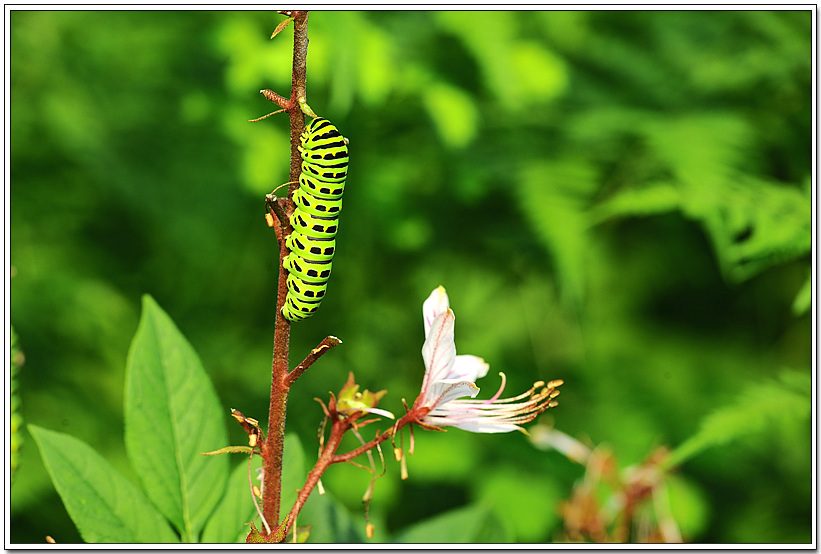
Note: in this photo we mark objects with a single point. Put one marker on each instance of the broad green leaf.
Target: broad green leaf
(104, 505)
(229, 521)
(293, 472)
(472, 524)
(172, 415)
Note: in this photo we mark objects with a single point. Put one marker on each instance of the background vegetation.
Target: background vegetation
(618, 199)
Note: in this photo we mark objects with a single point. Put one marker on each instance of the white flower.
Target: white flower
(450, 378)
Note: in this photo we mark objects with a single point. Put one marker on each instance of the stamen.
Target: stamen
(499, 392)
(404, 467)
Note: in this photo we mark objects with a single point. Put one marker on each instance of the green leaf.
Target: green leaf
(104, 505)
(293, 471)
(229, 522)
(172, 415)
(472, 524)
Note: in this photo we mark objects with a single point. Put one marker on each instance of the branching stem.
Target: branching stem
(329, 457)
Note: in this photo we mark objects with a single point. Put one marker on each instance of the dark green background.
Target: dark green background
(617, 199)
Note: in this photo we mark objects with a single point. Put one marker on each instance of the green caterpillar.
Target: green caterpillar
(316, 218)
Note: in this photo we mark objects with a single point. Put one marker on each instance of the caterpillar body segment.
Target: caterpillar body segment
(321, 189)
(296, 310)
(312, 271)
(309, 203)
(313, 225)
(304, 290)
(311, 248)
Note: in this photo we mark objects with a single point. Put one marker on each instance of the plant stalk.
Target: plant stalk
(273, 448)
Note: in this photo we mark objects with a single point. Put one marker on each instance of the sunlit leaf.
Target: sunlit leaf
(105, 506)
(172, 415)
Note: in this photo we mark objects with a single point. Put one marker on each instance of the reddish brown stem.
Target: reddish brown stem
(328, 457)
(272, 448)
(410, 417)
(338, 430)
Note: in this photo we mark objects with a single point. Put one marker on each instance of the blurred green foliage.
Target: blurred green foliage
(15, 420)
(619, 199)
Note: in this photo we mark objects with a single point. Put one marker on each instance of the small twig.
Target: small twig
(273, 205)
(280, 101)
(266, 116)
(326, 344)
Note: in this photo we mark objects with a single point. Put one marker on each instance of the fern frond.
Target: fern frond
(759, 407)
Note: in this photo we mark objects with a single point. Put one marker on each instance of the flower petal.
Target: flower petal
(379, 411)
(443, 392)
(468, 368)
(436, 304)
(438, 352)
